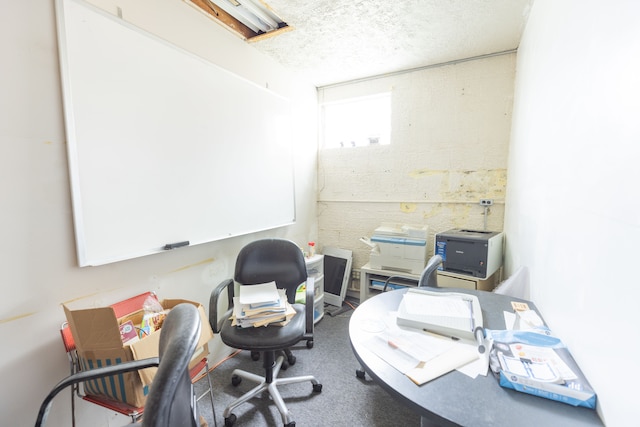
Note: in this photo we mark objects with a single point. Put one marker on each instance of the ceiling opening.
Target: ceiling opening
(250, 19)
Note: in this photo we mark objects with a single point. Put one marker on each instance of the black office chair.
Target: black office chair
(171, 401)
(259, 262)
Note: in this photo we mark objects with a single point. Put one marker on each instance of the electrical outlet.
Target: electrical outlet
(486, 202)
(355, 274)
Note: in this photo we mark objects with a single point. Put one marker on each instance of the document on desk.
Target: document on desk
(420, 355)
(405, 350)
(457, 356)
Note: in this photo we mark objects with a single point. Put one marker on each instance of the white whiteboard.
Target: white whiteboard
(163, 146)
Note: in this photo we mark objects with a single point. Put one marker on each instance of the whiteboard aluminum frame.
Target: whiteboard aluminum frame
(88, 250)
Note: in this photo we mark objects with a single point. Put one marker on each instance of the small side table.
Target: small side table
(366, 273)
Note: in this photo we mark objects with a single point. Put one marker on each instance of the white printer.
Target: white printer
(399, 247)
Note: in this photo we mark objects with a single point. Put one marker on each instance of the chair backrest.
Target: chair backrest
(269, 260)
(170, 401)
(429, 276)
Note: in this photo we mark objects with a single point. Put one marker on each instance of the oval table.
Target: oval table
(454, 398)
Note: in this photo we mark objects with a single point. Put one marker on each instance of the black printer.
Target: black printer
(471, 252)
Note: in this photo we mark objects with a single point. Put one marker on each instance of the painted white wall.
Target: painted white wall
(450, 128)
(38, 260)
(572, 202)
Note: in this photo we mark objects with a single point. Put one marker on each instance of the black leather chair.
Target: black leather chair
(171, 401)
(259, 262)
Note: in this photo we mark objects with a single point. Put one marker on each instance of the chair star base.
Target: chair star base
(270, 384)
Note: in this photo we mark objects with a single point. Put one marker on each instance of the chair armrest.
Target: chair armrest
(216, 319)
(92, 374)
(309, 297)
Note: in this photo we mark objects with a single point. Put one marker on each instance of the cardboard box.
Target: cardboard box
(96, 332)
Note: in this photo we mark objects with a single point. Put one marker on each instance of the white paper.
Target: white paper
(509, 320)
(439, 306)
(395, 357)
(458, 355)
(256, 294)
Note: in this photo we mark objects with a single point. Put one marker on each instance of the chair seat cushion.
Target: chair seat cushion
(266, 338)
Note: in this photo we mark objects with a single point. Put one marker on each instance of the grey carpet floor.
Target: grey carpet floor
(344, 401)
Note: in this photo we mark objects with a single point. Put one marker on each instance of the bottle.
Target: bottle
(312, 249)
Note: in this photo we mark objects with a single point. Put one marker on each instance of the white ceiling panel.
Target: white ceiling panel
(341, 40)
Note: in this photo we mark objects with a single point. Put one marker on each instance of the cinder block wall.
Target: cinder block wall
(449, 146)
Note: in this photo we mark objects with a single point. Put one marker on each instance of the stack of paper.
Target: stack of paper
(261, 305)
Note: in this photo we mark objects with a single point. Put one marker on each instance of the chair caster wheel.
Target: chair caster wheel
(310, 344)
(291, 424)
(285, 365)
(360, 373)
(317, 388)
(230, 420)
(291, 359)
(255, 355)
(235, 380)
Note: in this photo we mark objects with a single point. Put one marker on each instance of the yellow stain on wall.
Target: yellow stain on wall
(433, 211)
(462, 216)
(18, 317)
(408, 207)
(469, 181)
(186, 267)
(419, 173)
(79, 298)
(471, 185)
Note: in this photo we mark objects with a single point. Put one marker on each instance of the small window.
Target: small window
(357, 122)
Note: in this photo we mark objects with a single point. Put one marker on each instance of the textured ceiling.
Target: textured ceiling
(335, 41)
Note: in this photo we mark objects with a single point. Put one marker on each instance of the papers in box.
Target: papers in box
(100, 334)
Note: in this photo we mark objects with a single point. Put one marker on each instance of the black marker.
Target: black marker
(170, 246)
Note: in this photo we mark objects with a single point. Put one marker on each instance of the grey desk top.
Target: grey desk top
(456, 399)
